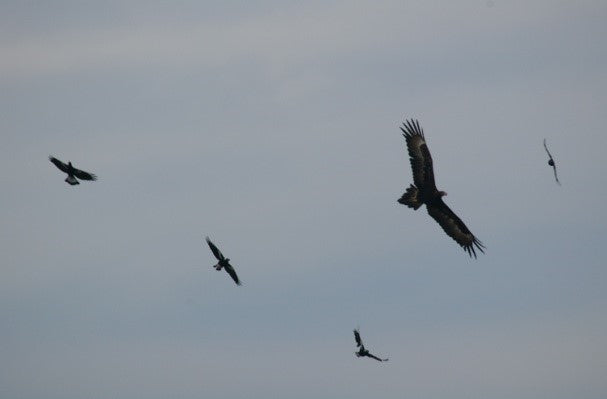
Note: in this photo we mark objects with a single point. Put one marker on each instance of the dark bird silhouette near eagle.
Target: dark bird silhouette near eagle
(551, 163)
(424, 190)
(362, 351)
(224, 263)
(73, 174)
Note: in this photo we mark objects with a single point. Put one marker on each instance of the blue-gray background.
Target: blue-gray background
(273, 128)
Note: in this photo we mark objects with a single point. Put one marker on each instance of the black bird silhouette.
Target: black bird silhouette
(362, 351)
(223, 262)
(551, 163)
(72, 173)
(425, 192)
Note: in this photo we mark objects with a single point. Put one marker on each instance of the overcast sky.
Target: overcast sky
(272, 127)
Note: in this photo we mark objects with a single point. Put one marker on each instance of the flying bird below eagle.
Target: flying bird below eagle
(73, 174)
(362, 351)
(224, 263)
(551, 163)
(424, 190)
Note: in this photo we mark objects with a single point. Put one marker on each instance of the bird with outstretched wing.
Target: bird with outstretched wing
(551, 163)
(424, 190)
(73, 174)
(223, 262)
(362, 351)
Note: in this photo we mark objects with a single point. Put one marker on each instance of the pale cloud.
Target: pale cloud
(279, 39)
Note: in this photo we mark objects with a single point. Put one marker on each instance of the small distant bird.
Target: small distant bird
(551, 163)
(362, 351)
(425, 192)
(223, 262)
(72, 173)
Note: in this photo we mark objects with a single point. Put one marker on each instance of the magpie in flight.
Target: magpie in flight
(73, 174)
(551, 163)
(223, 262)
(362, 351)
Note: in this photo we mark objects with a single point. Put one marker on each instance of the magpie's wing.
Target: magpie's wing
(215, 250)
(377, 358)
(62, 167)
(546, 148)
(232, 273)
(555, 176)
(553, 164)
(82, 175)
(359, 341)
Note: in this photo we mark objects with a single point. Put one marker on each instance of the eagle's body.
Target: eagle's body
(424, 190)
(73, 174)
(223, 262)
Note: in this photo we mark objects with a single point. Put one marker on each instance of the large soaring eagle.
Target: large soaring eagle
(424, 190)
(224, 263)
(72, 173)
(362, 351)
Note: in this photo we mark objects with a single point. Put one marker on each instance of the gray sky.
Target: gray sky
(273, 128)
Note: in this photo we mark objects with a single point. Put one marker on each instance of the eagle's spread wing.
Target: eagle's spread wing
(454, 227)
(62, 167)
(359, 341)
(232, 273)
(419, 155)
(215, 250)
(82, 175)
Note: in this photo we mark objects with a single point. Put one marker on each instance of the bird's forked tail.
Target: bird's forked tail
(411, 198)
